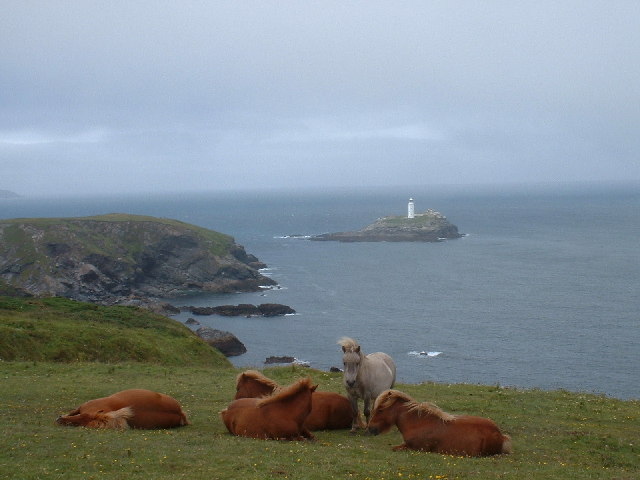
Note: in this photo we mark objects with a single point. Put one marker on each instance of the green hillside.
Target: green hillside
(63, 330)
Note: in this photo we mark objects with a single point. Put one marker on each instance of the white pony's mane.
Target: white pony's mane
(348, 344)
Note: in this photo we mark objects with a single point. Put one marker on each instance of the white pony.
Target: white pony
(365, 376)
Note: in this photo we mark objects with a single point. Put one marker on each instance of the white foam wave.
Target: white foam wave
(303, 237)
(424, 354)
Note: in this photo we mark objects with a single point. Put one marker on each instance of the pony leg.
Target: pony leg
(355, 422)
(307, 435)
(367, 409)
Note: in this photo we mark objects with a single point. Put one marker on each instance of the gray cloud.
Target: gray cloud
(210, 95)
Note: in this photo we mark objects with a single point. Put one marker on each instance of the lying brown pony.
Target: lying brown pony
(425, 427)
(329, 410)
(280, 416)
(136, 408)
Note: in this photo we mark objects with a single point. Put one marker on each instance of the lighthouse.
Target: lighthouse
(410, 209)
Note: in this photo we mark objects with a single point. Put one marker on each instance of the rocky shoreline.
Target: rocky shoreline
(121, 259)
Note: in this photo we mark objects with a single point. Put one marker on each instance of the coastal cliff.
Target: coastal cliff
(430, 226)
(118, 258)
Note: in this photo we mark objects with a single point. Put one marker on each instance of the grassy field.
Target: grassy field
(555, 434)
(56, 354)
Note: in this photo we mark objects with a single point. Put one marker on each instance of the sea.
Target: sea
(541, 292)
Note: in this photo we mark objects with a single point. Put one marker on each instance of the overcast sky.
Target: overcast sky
(127, 96)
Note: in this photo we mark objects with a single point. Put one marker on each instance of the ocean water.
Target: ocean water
(542, 292)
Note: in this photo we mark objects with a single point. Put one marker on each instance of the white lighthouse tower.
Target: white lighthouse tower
(410, 209)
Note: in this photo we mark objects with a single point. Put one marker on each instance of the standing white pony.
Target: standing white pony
(365, 376)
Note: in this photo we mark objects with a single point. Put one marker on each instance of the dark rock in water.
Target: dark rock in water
(244, 309)
(335, 369)
(226, 342)
(192, 321)
(275, 309)
(430, 226)
(200, 310)
(281, 359)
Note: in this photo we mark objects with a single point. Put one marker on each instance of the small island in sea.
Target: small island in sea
(430, 226)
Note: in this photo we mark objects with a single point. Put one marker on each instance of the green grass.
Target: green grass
(86, 239)
(59, 329)
(556, 434)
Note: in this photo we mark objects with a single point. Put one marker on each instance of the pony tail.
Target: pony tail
(183, 419)
(507, 447)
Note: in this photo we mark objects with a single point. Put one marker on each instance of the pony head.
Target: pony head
(351, 358)
(384, 415)
(253, 384)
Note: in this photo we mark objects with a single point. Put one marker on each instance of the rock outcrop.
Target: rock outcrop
(245, 310)
(226, 342)
(122, 259)
(430, 226)
(279, 359)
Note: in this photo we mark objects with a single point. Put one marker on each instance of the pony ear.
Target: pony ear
(313, 389)
(344, 349)
(358, 349)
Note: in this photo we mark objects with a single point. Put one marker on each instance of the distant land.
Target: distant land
(8, 194)
(121, 259)
(430, 226)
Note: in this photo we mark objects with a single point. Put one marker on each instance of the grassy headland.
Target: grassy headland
(556, 434)
(63, 330)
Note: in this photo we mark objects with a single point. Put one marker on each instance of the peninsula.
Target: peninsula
(121, 259)
(430, 226)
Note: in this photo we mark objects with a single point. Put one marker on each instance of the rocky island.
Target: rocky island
(121, 259)
(430, 226)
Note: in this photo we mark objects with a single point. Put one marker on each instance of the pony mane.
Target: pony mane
(426, 408)
(348, 344)
(285, 393)
(116, 419)
(258, 377)
(389, 397)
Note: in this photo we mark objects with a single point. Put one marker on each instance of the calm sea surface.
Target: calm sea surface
(542, 292)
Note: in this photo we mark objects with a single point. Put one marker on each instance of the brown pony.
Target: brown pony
(425, 427)
(279, 416)
(329, 410)
(134, 408)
